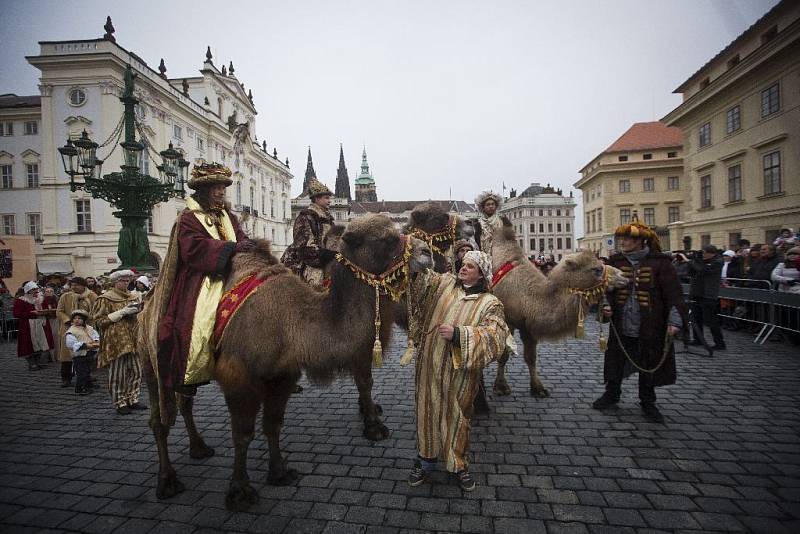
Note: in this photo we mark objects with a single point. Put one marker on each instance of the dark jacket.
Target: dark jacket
(735, 270)
(657, 290)
(762, 269)
(705, 278)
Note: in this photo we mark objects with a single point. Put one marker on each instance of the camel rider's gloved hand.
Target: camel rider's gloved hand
(244, 246)
(130, 309)
(326, 255)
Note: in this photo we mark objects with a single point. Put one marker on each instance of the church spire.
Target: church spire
(365, 183)
(310, 173)
(342, 179)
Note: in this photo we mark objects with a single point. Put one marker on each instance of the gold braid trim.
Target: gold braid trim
(588, 296)
(440, 237)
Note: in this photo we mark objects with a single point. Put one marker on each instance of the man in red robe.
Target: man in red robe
(205, 237)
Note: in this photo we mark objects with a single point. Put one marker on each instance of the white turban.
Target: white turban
(483, 261)
(144, 280)
(30, 286)
(124, 273)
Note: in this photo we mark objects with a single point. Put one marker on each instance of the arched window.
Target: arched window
(239, 193)
(219, 106)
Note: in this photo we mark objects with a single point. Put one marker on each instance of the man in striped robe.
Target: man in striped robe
(462, 329)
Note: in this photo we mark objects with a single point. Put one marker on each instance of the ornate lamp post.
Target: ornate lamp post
(131, 191)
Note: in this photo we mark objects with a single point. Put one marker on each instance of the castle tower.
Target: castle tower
(342, 179)
(365, 183)
(310, 173)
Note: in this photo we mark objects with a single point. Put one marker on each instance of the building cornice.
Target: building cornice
(630, 166)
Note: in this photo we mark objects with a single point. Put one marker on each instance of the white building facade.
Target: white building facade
(207, 118)
(543, 219)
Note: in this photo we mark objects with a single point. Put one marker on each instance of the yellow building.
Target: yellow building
(740, 119)
(642, 173)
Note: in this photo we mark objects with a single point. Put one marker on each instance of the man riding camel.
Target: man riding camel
(307, 255)
(205, 237)
(489, 220)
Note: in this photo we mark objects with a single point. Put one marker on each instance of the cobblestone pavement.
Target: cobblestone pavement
(727, 459)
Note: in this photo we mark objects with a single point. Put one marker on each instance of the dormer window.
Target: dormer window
(769, 35)
(732, 62)
(704, 83)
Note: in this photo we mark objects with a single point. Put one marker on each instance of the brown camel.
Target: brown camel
(543, 307)
(432, 224)
(294, 322)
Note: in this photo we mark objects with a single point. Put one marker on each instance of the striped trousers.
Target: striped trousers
(125, 379)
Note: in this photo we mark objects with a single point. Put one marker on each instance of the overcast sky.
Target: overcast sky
(456, 95)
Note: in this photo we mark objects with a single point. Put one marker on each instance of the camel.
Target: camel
(299, 329)
(431, 223)
(544, 307)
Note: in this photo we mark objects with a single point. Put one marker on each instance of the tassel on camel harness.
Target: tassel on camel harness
(377, 349)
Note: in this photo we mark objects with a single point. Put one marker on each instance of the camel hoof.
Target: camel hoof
(540, 392)
(169, 486)
(502, 390)
(376, 431)
(286, 477)
(481, 409)
(378, 408)
(201, 451)
(240, 496)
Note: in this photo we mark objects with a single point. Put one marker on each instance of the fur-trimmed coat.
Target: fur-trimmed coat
(68, 303)
(657, 289)
(117, 338)
(306, 256)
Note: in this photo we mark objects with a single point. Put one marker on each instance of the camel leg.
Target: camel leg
(243, 409)
(501, 386)
(374, 429)
(197, 447)
(168, 484)
(479, 404)
(537, 387)
(275, 402)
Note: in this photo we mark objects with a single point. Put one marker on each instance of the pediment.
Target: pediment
(30, 154)
(234, 87)
(72, 119)
(5, 155)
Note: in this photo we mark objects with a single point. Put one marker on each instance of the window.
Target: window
(8, 176)
(569, 225)
(624, 216)
(622, 158)
(550, 227)
(624, 186)
(649, 184)
(533, 244)
(32, 171)
(672, 154)
(734, 120)
(533, 229)
(558, 213)
(593, 226)
(734, 183)
(35, 226)
(272, 207)
(239, 194)
(673, 183)
(770, 100)
(559, 243)
(733, 239)
(263, 201)
(76, 97)
(549, 213)
(6, 128)
(252, 197)
(673, 214)
(650, 216)
(201, 145)
(541, 228)
(83, 215)
(549, 243)
(566, 213)
(647, 156)
(705, 134)
(569, 243)
(31, 128)
(177, 131)
(705, 191)
(772, 173)
(705, 240)
(558, 227)
(9, 225)
(541, 244)
(541, 213)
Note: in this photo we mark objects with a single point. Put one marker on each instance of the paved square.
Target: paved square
(728, 458)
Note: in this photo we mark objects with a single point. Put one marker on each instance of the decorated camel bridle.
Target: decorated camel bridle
(393, 282)
(440, 240)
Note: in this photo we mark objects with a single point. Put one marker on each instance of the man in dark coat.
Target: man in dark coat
(307, 256)
(205, 237)
(642, 314)
(762, 270)
(705, 275)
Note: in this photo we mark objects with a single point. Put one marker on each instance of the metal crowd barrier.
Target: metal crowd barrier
(758, 304)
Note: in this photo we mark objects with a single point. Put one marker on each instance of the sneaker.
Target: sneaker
(465, 480)
(417, 474)
(123, 410)
(605, 401)
(652, 413)
(137, 406)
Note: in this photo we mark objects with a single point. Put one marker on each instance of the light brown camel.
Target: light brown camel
(432, 224)
(294, 322)
(543, 307)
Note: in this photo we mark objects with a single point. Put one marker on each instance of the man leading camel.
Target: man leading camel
(205, 237)
(641, 315)
(462, 330)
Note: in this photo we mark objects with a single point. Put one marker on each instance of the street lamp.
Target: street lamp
(132, 192)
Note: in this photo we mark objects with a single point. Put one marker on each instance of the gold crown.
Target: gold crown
(210, 174)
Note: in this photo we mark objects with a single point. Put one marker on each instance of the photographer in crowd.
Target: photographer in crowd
(705, 272)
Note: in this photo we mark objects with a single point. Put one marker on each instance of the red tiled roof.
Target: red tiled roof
(11, 100)
(646, 136)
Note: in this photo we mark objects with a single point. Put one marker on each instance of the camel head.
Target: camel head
(431, 218)
(374, 244)
(616, 280)
(421, 256)
(582, 270)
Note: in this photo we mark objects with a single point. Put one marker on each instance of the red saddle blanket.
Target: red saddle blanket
(231, 301)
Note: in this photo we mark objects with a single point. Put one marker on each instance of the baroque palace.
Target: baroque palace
(724, 164)
(207, 117)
